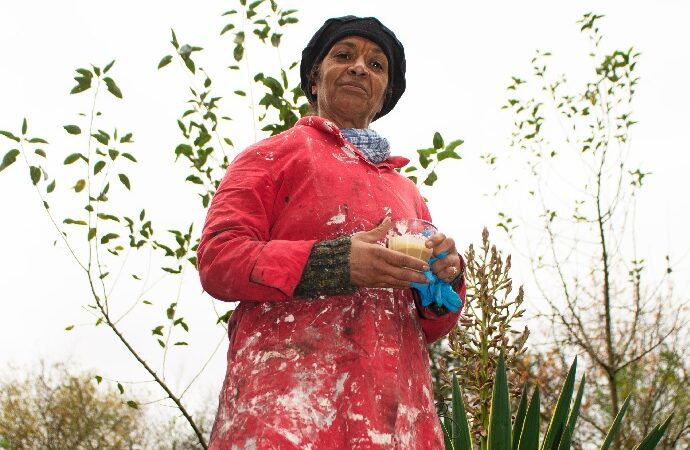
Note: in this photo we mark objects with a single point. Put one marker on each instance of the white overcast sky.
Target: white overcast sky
(460, 58)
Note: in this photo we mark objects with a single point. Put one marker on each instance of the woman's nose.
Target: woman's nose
(358, 67)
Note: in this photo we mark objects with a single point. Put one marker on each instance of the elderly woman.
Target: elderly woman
(328, 345)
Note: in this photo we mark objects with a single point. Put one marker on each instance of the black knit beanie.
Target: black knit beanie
(370, 28)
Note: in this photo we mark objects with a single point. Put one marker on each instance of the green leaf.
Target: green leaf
(120, 388)
(24, 127)
(35, 174)
(108, 237)
(499, 417)
(567, 436)
(461, 437)
(98, 379)
(79, 186)
(72, 129)
(72, 158)
(275, 39)
(520, 417)
(108, 66)
(92, 233)
(557, 422)
(164, 61)
(652, 439)
(170, 312)
(9, 135)
(104, 216)
(37, 141)
(69, 221)
(174, 39)
(190, 65)
(51, 187)
(124, 180)
(126, 138)
(227, 28)
(9, 159)
(157, 331)
(445, 154)
(438, 141)
(184, 149)
(529, 432)
(455, 144)
(431, 179)
(224, 318)
(613, 430)
(446, 427)
(181, 343)
(194, 179)
(102, 137)
(238, 52)
(113, 153)
(40, 152)
(98, 167)
(69, 328)
(112, 87)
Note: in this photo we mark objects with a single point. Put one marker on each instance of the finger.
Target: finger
(447, 245)
(398, 259)
(376, 234)
(392, 282)
(447, 268)
(435, 240)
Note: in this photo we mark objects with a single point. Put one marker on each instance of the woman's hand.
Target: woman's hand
(375, 266)
(447, 268)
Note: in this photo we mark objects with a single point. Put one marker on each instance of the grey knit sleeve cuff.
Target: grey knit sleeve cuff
(327, 271)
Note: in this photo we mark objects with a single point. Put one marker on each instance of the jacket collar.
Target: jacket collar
(328, 127)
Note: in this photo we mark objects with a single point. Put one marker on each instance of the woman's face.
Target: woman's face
(351, 83)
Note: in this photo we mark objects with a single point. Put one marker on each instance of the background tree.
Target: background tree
(576, 145)
(54, 410)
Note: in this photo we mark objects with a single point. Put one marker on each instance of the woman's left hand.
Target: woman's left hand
(447, 268)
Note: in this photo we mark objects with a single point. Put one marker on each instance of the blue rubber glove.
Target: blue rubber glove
(437, 290)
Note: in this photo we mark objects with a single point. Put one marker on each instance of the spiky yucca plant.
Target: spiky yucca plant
(523, 433)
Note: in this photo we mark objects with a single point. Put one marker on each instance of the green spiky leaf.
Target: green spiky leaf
(613, 430)
(499, 418)
(520, 417)
(529, 432)
(557, 422)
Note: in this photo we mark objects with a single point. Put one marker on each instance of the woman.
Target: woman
(328, 344)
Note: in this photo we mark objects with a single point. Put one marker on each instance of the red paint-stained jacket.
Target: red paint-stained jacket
(334, 372)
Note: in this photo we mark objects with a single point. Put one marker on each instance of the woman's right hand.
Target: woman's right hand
(375, 266)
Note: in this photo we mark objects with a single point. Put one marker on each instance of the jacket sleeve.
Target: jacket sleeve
(436, 326)
(237, 259)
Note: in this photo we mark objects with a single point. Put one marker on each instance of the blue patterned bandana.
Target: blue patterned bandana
(374, 147)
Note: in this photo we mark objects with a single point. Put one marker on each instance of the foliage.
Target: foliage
(484, 331)
(52, 409)
(523, 433)
(583, 186)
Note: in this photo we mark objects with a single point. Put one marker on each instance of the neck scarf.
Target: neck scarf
(374, 147)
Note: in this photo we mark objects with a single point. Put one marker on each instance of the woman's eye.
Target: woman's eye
(376, 65)
(342, 55)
